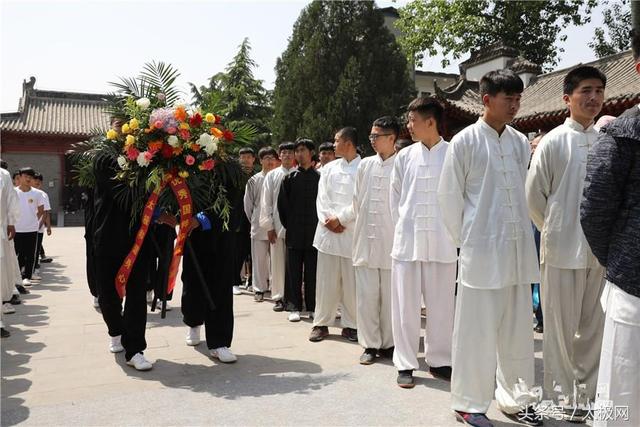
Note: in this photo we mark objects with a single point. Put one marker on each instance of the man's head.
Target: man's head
(304, 149)
(401, 144)
(37, 180)
(346, 141)
(27, 175)
(501, 91)
(286, 150)
(268, 158)
(384, 133)
(247, 158)
(424, 118)
(4, 165)
(635, 48)
(327, 153)
(583, 92)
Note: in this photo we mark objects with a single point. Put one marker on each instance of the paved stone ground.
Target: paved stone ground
(56, 369)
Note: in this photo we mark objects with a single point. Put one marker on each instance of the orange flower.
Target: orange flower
(180, 114)
(177, 151)
(155, 146)
(216, 132)
(195, 147)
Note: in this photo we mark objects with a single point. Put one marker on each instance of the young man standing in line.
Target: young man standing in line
(373, 237)
(259, 239)
(572, 279)
(327, 154)
(270, 221)
(31, 211)
(424, 256)
(335, 277)
(247, 159)
(484, 208)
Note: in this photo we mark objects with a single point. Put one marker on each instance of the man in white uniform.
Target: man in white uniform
(373, 237)
(9, 213)
(259, 239)
(45, 222)
(270, 221)
(424, 256)
(335, 276)
(572, 279)
(483, 205)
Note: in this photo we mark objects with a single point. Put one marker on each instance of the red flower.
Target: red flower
(184, 134)
(218, 119)
(207, 165)
(195, 120)
(228, 135)
(167, 151)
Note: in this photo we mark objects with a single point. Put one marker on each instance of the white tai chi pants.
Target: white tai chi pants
(278, 268)
(260, 265)
(573, 326)
(618, 391)
(413, 281)
(493, 344)
(335, 283)
(373, 297)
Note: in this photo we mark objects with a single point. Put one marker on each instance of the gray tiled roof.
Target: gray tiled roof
(463, 97)
(57, 113)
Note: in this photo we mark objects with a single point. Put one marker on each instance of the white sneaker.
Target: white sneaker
(294, 316)
(139, 362)
(236, 290)
(34, 276)
(26, 282)
(223, 354)
(96, 304)
(149, 297)
(7, 308)
(193, 336)
(115, 345)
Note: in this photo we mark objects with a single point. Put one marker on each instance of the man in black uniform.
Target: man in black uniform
(297, 209)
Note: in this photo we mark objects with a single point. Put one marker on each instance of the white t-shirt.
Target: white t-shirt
(47, 206)
(29, 202)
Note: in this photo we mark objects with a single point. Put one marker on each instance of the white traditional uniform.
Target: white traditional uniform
(270, 220)
(483, 205)
(572, 278)
(424, 259)
(335, 276)
(373, 237)
(259, 239)
(9, 213)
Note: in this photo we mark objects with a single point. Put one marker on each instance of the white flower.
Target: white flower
(122, 162)
(142, 160)
(143, 103)
(173, 141)
(211, 148)
(205, 139)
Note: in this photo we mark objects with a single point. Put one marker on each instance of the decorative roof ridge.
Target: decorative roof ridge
(491, 51)
(457, 89)
(593, 63)
(436, 73)
(77, 96)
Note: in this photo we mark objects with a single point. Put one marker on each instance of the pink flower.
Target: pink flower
(132, 153)
(157, 124)
(207, 165)
(171, 130)
(148, 155)
(189, 159)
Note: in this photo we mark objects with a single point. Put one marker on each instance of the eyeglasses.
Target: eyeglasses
(375, 136)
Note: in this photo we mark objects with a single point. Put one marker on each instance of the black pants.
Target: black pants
(91, 267)
(39, 251)
(213, 252)
(243, 243)
(160, 259)
(131, 325)
(299, 261)
(26, 245)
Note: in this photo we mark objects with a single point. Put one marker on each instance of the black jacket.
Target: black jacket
(610, 210)
(297, 207)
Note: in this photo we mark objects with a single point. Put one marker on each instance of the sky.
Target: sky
(82, 45)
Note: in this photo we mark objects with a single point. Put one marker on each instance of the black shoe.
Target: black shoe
(46, 260)
(350, 334)
(4, 333)
(368, 357)
(318, 333)
(475, 420)
(386, 352)
(22, 290)
(15, 300)
(258, 297)
(527, 416)
(539, 328)
(405, 378)
(442, 372)
(278, 306)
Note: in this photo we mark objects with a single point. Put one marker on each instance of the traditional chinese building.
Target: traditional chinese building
(43, 129)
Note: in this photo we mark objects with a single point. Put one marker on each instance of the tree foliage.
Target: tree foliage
(238, 96)
(455, 27)
(342, 67)
(617, 20)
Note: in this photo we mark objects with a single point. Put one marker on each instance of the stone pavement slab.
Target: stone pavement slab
(57, 370)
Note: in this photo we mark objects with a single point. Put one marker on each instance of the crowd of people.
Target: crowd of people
(423, 226)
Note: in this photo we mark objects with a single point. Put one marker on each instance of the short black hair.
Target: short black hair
(247, 150)
(498, 81)
(635, 44)
(388, 123)
(403, 143)
(350, 134)
(305, 142)
(27, 171)
(287, 146)
(574, 77)
(428, 107)
(326, 146)
(4, 165)
(39, 176)
(16, 173)
(267, 151)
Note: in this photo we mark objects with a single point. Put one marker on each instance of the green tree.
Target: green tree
(617, 20)
(238, 96)
(342, 67)
(455, 27)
